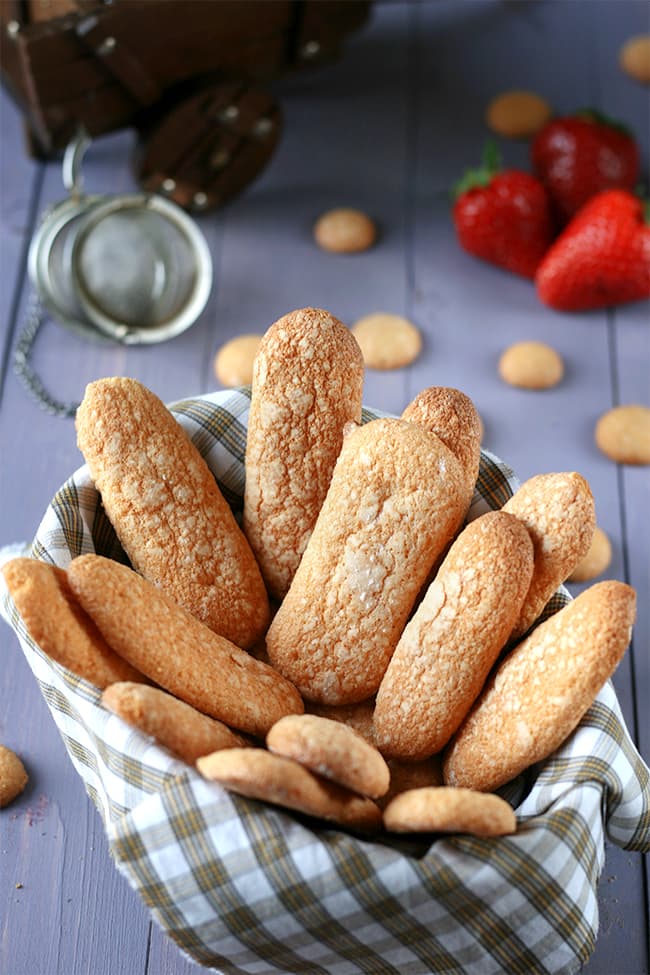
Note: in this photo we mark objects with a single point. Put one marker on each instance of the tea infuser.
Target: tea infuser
(131, 268)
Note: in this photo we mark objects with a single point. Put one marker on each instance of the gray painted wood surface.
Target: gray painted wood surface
(387, 129)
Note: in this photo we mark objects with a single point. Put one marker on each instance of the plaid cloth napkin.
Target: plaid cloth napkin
(244, 887)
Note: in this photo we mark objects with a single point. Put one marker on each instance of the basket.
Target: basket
(244, 887)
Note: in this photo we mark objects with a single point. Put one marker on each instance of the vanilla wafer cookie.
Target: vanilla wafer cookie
(331, 749)
(172, 723)
(182, 655)
(454, 637)
(307, 385)
(58, 625)
(559, 512)
(395, 501)
(167, 510)
(258, 774)
(452, 416)
(541, 690)
(13, 776)
(447, 810)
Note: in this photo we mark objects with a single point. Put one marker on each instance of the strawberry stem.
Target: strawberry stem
(599, 118)
(481, 175)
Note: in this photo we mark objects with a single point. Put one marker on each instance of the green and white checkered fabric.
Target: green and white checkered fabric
(244, 887)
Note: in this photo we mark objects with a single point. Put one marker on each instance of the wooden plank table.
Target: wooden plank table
(387, 129)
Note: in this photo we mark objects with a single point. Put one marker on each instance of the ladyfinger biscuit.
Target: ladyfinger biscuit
(542, 689)
(59, 626)
(307, 384)
(395, 500)
(167, 510)
(172, 723)
(452, 416)
(178, 652)
(453, 639)
(447, 810)
(331, 749)
(258, 774)
(558, 511)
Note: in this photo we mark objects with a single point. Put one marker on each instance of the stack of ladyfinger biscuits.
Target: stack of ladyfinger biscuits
(355, 649)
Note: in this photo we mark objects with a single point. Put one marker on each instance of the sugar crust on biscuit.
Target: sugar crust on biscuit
(542, 689)
(307, 385)
(395, 500)
(167, 510)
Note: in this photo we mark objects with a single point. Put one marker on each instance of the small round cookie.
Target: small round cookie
(169, 721)
(634, 58)
(13, 777)
(387, 341)
(332, 749)
(595, 561)
(448, 810)
(517, 114)
(531, 365)
(345, 231)
(233, 363)
(259, 774)
(623, 434)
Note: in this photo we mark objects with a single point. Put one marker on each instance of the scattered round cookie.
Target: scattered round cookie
(595, 561)
(13, 777)
(332, 749)
(531, 365)
(634, 58)
(623, 434)
(517, 114)
(345, 231)
(259, 774)
(387, 341)
(233, 363)
(445, 809)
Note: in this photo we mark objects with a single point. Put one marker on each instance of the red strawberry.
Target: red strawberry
(601, 258)
(503, 217)
(580, 155)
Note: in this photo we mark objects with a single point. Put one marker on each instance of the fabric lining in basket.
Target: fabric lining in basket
(244, 887)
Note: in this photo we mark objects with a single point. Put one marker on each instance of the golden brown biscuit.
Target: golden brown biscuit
(345, 231)
(558, 511)
(258, 774)
(634, 58)
(452, 416)
(13, 777)
(623, 434)
(172, 647)
(59, 626)
(167, 510)
(307, 385)
(387, 341)
(331, 749)
(172, 723)
(531, 365)
(449, 646)
(396, 499)
(448, 810)
(233, 363)
(595, 561)
(517, 114)
(542, 689)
